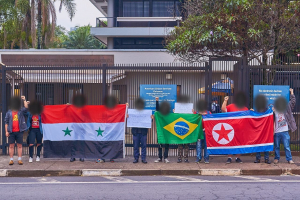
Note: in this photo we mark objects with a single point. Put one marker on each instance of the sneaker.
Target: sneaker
(276, 161)
(20, 162)
(11, 162)
(267, 161)
(72, 159)
(81, 159)
(30, 160)
(102, 161)
(179, 160)
(229, 160)
(135, 161)
(166, 160)
(206, 161)
(158, 160)
(257, 161)
(198, 160)
(238, 160)
(144, 161)
(38, 159)
(291, 162)
(186, 160)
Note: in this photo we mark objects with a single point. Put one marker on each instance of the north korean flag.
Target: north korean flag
(239, 132)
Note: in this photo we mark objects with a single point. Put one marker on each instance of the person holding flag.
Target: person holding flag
(240, 100)
(284, 121)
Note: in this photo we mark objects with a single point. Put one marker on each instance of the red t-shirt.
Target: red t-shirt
(233, 108)
(35, 123)
(15, 124)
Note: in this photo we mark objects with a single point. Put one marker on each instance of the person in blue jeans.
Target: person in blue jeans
(284, 121)
(139, 138)
(201, 144)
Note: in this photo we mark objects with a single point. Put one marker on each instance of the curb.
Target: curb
(146, 172)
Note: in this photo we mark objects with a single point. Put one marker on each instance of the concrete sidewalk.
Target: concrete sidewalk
(125, 167)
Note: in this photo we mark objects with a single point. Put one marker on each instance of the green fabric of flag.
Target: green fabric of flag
(176, 128)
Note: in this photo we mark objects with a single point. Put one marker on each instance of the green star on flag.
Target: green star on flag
(67, 131)
(99, 131)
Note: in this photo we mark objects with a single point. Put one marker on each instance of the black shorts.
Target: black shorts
(35, 134)
(15, 137)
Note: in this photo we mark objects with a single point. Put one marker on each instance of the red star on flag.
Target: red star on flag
(223, 133)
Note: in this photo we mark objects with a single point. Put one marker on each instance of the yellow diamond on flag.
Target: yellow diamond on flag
(181, 128)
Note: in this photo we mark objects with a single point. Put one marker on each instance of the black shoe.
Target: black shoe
(186, 160)
(229, 160)
(144, 161)
(112, 160)
(238, 160)
(81, 159)
(135, 161)
(179, 161)
(267, 161)
(257, 161)
(72, 159)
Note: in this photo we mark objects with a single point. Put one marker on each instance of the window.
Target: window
(127, 41)
(45, 93)
(158, 41)
(142, 41)
(136, 9)
(163, 8)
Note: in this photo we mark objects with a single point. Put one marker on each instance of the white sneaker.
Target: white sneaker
(291, 162)
(30, 160)
(166, 160)
(158, 160)
(38, 159)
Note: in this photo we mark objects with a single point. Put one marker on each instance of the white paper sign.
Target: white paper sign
(186, 108)
(139, 118)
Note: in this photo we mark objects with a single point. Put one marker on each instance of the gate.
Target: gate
(56, 85)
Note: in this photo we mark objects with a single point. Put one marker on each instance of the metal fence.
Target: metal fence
(57, 84)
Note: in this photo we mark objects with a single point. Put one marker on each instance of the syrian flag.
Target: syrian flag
(88, 132)
(239, 132)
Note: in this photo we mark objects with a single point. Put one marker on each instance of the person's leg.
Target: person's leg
(19, 140)
(180, 151)
(144, 146)
(136, 146)
(198, 150)
(160, 151)
(266, 154)
(258, 156)
(19, 151)
(186, 151)
(277, 146)
(11, 150)
(39, 139)
(166, 153)
(32, 136)
(286, 143)
(11, 142)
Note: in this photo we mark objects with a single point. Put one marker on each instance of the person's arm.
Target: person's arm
(292, 101)
(157, 104)
(25, 102)
(224, 109)
(6, 132)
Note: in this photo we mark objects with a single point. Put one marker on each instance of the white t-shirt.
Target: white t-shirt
(280, 123)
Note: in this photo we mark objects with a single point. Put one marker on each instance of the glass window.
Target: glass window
(158, 41)
(142, 41)
(133, 9)
(146, 9)
(163, 8)
(127, 41)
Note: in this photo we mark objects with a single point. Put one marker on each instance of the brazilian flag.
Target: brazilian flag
(176, 128)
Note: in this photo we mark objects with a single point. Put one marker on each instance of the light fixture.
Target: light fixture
(169, 76)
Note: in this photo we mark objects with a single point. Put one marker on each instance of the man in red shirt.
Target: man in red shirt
(239, 105)
(15, 126)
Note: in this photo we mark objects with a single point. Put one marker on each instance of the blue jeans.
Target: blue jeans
(285, 138)
(201, 144)
(139, 139)
(258, 156)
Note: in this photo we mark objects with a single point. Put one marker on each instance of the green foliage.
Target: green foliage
(236, 27)
(81, 38)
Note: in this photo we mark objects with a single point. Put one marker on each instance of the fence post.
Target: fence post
(210, 83)
(3, 96)
(104, 81)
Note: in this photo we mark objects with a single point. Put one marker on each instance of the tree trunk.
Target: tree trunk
(33, 29)
(264, 63)
(40, 24)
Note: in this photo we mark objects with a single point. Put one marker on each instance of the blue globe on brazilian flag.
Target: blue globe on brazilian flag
(177, 128)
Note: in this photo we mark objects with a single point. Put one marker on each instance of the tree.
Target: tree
(81, 38)
(59, 38)
(249, 28)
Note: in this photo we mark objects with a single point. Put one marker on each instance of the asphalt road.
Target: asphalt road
(151, 187)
